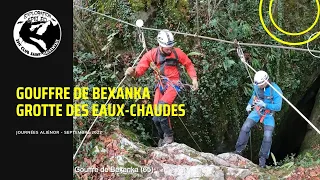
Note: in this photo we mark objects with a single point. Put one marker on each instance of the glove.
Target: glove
(248, 108)
(195, 85)
(130, 71)
(261, 103)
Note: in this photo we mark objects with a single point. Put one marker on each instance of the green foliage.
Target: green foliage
(307, 159)
(104, 48)
(274, 159)
(176, 10)
(138, 5)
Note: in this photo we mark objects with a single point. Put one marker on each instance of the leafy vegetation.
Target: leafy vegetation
(104, 48)
(304, 166)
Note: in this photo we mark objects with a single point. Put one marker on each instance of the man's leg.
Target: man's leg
(168, 98)
(242, 141)
(157, 123)
(267, 141)
(156, 119)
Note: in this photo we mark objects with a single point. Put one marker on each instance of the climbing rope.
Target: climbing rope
(241, 56)
(135, 61)
(203, 37)
(141, 37)
(181, 85)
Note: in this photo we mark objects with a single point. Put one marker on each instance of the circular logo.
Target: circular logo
(37, 33)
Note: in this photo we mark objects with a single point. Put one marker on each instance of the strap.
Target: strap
(267, 111)
(166, 62)
(271, 94)
(262, 118)
(156, 59)
(175, 54)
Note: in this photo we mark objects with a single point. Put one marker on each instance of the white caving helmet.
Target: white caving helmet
(165, 38)
(260, 77)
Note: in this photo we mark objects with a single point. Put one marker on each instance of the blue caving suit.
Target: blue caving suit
(274, 103)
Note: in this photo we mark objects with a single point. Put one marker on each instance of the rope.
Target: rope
(243, 60)
(242, 57)
(250, 145)
(190, 133)
(142, 39)
(203, 37)
(194, 35)
(172, 84)
(105, 104)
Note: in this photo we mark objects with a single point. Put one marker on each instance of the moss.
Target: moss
(129, 165)
(178, 9)
(193, 155)
(114, 136)
(129, 134)
(130, 176)
(204, 178)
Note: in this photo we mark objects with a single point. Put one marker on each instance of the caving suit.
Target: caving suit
(273, 103)
(166, 90)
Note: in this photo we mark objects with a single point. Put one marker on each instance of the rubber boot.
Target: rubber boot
(238, 152)
(168, 139)
(262, 162)
(160, 142)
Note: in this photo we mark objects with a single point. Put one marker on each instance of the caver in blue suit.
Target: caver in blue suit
(268, 99)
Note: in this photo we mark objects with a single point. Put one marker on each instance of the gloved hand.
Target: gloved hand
(130, 71)
(195, 85)
(248, 108)
(260, 103)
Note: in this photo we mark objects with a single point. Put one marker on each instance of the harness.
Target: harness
(262, 111)
(162, 80)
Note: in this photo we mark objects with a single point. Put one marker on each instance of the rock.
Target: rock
(177, 161)
(312, 137)
(182, 172)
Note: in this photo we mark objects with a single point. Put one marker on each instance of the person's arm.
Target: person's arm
(187, 63)
(277, 99)
(143, 64)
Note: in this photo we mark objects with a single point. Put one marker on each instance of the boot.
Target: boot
(262, 162)
(167, 139)
(160, 142)
(238, 152)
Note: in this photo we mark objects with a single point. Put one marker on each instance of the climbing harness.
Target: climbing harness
(163, 61)
(239, 51)
(164, 82)
(280, 94)
(261, 111)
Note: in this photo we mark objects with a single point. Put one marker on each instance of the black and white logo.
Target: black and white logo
(37, 33)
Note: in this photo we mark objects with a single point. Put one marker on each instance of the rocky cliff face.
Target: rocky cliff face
(312, 138)
(118, 157)
(124, 159)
